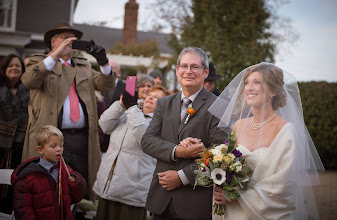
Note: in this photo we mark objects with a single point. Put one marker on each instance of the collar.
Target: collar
(68, 61)
(47, 165)
(148, 115)
(192, 97)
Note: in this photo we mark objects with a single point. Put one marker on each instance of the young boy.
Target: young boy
(42, 186)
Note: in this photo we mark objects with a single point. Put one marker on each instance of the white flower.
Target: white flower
(217, 158)
(218, 176)
(217, 150)
(222, 146)
(232, 156)
(238, 166)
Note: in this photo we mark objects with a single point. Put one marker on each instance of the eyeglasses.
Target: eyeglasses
(192, 67)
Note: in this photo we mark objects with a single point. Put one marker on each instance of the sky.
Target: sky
(313, 57)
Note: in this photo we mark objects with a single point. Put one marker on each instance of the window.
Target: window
(7, 14)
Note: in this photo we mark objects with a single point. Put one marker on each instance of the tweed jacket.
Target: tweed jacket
(163, 134)
(48, 91)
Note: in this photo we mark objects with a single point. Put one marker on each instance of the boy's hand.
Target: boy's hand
(71, 179)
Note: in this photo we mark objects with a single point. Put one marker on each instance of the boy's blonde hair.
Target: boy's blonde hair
(43, 135)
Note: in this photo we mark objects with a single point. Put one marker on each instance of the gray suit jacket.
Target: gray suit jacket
(163, 134)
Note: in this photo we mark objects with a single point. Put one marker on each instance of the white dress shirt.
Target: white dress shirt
(180, 172)
(67, 123)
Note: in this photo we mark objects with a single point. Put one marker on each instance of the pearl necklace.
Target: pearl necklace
(258, 126)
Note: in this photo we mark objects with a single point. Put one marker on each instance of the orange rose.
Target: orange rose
(206, 155)
(207, 162)
(191, 111)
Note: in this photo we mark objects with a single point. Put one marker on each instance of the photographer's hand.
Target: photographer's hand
(64, 50)
(128, 100)
(99, 53)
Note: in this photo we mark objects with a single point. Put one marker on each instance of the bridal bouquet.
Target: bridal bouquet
(223, 165)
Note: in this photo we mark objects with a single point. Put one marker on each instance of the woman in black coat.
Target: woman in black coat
(14, 99)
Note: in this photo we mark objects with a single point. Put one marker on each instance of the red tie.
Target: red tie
(73, 100)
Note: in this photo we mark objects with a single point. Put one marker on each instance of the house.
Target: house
(23, 24)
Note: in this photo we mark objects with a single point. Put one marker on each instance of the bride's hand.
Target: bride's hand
(219, 198)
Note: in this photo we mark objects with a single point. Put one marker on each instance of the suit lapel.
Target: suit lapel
(176, 102)
(80, 75)
(198, 102)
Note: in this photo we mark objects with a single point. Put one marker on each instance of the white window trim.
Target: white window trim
(13, 18)
(71, 16)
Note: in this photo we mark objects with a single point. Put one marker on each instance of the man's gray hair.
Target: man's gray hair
(197, 50)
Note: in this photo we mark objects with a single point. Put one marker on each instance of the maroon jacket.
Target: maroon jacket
(36, 193)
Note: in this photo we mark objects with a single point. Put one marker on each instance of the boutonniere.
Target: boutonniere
(190, 112)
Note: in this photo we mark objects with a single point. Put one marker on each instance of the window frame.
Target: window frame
(11, 28)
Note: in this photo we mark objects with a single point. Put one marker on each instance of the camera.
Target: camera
(82, 45)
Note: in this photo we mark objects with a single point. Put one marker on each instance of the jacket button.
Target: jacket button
(36, 68)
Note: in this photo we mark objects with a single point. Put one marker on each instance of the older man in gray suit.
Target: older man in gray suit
(176, 139)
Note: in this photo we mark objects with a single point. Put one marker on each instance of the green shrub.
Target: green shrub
(319, 101)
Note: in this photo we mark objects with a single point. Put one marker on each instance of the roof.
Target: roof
(106, 37)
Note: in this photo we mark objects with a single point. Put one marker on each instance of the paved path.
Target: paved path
(326, 196)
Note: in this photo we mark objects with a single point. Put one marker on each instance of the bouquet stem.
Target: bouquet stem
(218, 209)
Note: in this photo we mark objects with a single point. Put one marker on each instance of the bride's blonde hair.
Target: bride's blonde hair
(273, 77)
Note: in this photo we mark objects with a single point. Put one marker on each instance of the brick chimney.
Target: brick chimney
(129, 35)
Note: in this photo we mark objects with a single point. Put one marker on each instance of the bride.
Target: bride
(262, 106)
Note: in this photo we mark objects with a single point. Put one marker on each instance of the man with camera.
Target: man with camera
(62, 91)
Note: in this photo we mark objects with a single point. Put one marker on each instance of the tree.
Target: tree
(236, 34)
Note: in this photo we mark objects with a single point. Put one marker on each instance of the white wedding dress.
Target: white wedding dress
(285, 172)
(272, 193)
(235, 211)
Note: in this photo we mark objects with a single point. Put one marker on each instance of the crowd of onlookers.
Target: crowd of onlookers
(75, 135)
(38, 92)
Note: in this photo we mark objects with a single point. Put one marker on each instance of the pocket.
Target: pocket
(127, 166)
(121, 187)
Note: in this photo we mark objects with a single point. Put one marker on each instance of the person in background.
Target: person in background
(45, 187)
(176, 138)
(157, 77)
(103, 140)
(144, 85)
(112, 95)
(63, 95)
(209, 83)
(26, 60)
(124, 176)
(14, 100)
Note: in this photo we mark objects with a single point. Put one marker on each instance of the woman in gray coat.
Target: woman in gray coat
(125, 173)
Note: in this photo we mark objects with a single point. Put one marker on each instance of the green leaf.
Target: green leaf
(234, 181)
(211, 165)
(228, 187)
(231, 195)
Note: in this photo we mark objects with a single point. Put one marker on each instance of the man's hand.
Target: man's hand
(191, 151)
(169, 180)
(64, 49)
(99, 53)
(187, 142)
